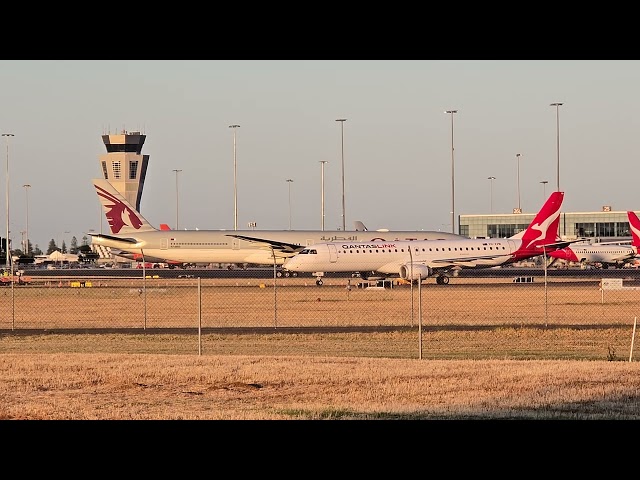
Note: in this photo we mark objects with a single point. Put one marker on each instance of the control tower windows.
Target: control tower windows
(133, 169)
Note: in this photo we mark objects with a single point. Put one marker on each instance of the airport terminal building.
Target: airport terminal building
(603, 226)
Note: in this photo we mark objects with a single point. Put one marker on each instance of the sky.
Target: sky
(397, 140)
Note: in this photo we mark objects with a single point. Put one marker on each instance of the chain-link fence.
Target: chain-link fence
(578, 316)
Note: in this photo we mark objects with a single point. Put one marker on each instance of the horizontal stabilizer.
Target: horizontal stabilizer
(111, 237)
(559, 244)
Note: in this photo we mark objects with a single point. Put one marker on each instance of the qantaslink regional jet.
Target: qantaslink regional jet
(419, 259)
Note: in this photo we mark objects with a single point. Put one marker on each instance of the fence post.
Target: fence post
(635, 319)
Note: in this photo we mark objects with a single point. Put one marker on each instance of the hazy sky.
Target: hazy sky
(397, 139)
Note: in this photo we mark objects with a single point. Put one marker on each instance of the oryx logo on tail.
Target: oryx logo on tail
(118, 214)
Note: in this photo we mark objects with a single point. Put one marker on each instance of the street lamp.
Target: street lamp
(235, 180)
(491, 179)
(289, 181)
(26, 191)
(177, 172)
(322, 162)
(544, 189)
(342, 120)
(453, 196)
(8, 250)
(518, 159)
(557, 105)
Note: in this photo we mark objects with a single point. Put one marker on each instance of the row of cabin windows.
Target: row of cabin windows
(430, 249)
(199, 244)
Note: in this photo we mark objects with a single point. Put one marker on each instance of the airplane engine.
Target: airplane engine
(415, 272)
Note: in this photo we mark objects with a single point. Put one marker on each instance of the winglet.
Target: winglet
(359, 226)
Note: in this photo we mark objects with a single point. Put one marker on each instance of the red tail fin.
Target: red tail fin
(544, 228)
(634, 224)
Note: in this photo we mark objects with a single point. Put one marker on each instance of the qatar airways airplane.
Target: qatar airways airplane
(131, 233)
(418, 259)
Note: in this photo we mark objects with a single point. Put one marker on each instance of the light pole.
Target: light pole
(453, 196)
(342, 120)
(322, 162)
(544, 189)
(557, 105)
(26, 191)
(177, 210)
(235, 179)
(289, 181)
(518, 160)
(491, 179)
(8, 252)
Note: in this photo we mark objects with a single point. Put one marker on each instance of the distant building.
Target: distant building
(606, 225)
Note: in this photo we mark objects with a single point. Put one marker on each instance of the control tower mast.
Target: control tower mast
(124, 166)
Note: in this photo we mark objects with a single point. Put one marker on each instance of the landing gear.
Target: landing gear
(319, 282)
(442, 280)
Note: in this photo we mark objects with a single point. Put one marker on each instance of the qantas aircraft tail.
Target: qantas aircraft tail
(543, 230)
(123, 218)
(634, 224)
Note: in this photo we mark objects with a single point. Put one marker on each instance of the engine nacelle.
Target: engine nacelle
(415, 272)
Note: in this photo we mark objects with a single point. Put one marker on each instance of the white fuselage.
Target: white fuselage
(209, 246)
(391, 257)
(597, 253)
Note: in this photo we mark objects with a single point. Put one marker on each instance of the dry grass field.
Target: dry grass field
(483, 351)
(227, 387)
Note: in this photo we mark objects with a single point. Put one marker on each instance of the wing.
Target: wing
(284, 248)
(469, 261)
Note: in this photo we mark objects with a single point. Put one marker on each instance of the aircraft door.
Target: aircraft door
(235, 243)
(164, 244)
(333, 253)
(512, 246)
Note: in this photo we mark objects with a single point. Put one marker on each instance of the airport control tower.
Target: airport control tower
(124, 165)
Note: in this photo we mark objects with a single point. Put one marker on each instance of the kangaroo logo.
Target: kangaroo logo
(118, 214)
(542, 227)
(633, 224)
